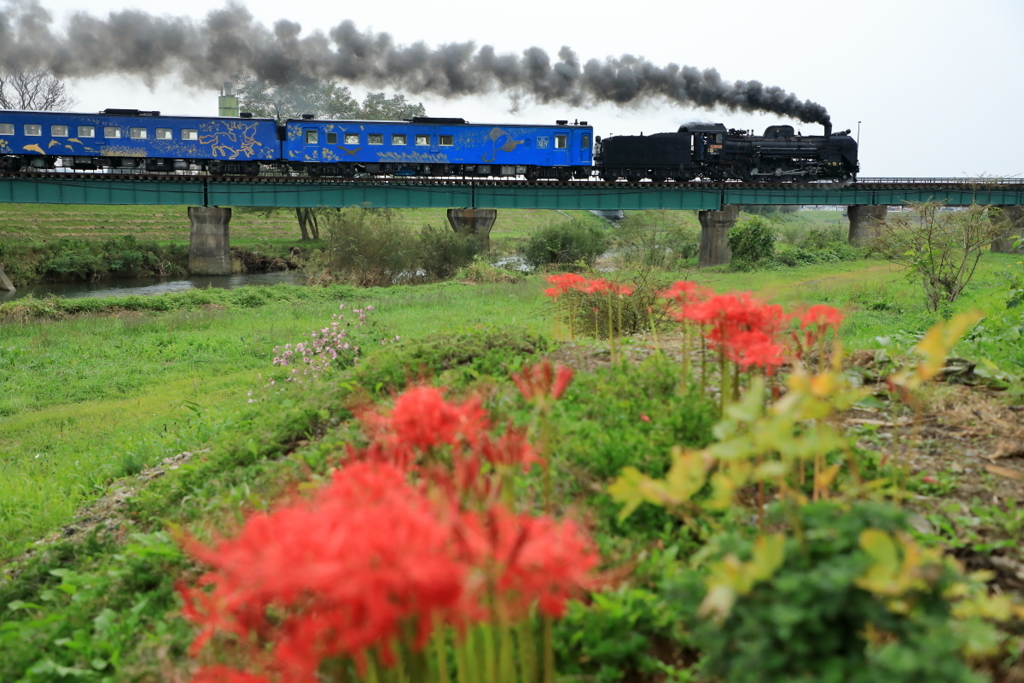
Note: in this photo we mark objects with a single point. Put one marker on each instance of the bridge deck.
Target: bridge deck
(96, 188)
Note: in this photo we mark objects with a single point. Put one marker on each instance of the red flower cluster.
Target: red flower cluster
(566, 282)
(542, 380)
(373, 559)
(447, 444)
(747, 330)
(351, 571)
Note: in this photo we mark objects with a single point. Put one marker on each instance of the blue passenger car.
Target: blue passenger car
(438, 147)
(129, 138)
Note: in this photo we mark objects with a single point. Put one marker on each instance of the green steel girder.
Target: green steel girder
(110, 192)
(481, 195)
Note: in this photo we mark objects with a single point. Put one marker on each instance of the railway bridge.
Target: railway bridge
(209, 197)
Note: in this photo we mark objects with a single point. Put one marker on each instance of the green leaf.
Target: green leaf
(627, 490)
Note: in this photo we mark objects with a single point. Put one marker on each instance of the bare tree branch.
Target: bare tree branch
(36, 89)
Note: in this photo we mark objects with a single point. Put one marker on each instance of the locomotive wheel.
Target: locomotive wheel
(531, 174)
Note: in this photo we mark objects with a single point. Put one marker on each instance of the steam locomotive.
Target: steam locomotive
(118, 139)
(708, 150)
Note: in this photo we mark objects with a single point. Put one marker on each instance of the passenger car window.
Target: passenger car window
(86, 131)
(397, 139)
(164, 134)
(312, 138)
(111, 132)
(375, 139)
(561, 141)
(332, 138)
(423, 140)
(585, 142)
(58, 131)
(137, 133)
(6, 129)
(33, 129)
(445, 140)
(351, 138)
(189, 134)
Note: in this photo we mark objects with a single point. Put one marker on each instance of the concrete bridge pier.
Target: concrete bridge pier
(864, 220)
(1013, 218)
(714, 235)
(208, 250)
(5, 282)
(477, 222)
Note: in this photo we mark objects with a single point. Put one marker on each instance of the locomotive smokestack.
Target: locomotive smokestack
(230, 41)
(828, 129)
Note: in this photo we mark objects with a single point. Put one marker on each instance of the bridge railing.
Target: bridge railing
(970, 182)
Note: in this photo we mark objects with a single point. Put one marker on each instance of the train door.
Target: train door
(585, 154)
(560, 152)
(311, 144)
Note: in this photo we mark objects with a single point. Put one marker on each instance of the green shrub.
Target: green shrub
(80, 259)
(482, 271)
(810, 621)
(629, 415)
(456, 358)
(566, 243)
(752, 243)
(368, 248)
(443, 252)
(625, 634)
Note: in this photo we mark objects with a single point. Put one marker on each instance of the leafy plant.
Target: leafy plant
(566, 243)
(752, 243)
(939, 247)
(443, 252)
(367, 248)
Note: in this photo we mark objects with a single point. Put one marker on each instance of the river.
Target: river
(152, 285)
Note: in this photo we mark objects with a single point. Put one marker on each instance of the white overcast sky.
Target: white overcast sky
(936, 85)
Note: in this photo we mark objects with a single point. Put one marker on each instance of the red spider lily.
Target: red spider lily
(596, 286)
(422, 419)
(564, 282)
(621, 290)
(730, 314)
(682, 294)
(511, 449)
(819, 319)
(339, 574)
(542, 380)
(755, 348)
(530, 560)
(824, 317)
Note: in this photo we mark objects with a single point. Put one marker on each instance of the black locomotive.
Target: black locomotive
(710, 151)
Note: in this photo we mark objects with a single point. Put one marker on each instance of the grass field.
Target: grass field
(90, 402)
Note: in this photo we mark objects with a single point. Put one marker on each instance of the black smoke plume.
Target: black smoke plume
(229, 41)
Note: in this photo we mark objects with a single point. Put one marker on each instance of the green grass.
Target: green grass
(94, 396)
(87, 400)
(37, 222)
(95, 393)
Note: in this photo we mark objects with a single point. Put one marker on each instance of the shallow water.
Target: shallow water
(152, 285)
